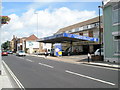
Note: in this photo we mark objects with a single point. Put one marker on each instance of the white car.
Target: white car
(20, 53)
(97, 52)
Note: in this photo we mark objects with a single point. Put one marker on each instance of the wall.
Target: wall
(109, 44)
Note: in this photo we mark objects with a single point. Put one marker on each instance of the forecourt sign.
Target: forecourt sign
(58, 49)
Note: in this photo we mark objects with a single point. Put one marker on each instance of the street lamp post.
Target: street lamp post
(37, 26)
(37, 22)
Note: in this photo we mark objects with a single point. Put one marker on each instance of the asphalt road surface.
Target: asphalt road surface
(36, 72)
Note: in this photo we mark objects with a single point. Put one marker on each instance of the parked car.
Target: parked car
(64, 53)
(97, 52)
(10, 52)
(49, 51)
(4, 53)
(52, 52)
(20, 53)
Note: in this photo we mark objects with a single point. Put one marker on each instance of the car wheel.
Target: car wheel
(68, 54)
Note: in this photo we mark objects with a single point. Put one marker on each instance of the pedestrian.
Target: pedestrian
(46, 53)
(89, 57)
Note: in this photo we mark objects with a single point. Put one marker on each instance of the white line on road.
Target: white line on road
(14, 77)
(29, 60)
(89, 77)
(21, 57)
(46, 65)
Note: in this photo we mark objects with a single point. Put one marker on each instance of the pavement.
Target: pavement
(80, 59)
(4, 79)
(77, 59)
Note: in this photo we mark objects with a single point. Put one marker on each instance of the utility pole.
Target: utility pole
(99, 30)
(0, 37)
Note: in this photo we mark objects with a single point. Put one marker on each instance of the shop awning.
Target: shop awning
(66, 37)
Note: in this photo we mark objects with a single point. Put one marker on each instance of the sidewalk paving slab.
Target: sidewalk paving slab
(103, 65)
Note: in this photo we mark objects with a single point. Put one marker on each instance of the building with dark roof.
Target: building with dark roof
(89, 28)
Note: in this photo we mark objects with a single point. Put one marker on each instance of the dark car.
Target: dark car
(64, 53)
(52, 52)
(4, 53)
(67, 52)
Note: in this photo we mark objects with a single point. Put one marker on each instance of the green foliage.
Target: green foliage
(4, 19)
(6, 45)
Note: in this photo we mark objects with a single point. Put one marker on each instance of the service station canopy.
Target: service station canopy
(66, 37)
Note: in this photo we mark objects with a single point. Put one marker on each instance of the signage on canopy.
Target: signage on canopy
(72, 36)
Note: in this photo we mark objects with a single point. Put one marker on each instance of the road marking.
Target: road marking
(90, 77)
(46, 65)
(99, 67)
(86, 65)
(29, 60)
(14, 77)
(21, 57)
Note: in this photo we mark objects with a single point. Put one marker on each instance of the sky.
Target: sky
(44, 18)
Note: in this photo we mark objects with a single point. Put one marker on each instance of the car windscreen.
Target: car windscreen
(21, 51)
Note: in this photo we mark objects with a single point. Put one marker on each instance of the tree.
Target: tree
(4, 19)
(6, 45)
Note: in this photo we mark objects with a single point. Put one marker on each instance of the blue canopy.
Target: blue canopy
(67, 37)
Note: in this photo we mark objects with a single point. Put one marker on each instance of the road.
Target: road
(36, 72)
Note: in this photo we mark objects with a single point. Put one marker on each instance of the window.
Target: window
(92, 25)
(96, 24)
(90, 33)
(81, 34)
(89, 26)
(116, 48)
(116, 14)
(81, 28)
(85, 27)
(85, 33)
(116, 45)
(67, 31)
(70, 31)
(76, 29)
(117, 37)
(73, 30)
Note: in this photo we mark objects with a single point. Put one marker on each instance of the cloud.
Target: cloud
(52, 0)
(48, 23)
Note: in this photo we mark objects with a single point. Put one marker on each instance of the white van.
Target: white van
(97, 52)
